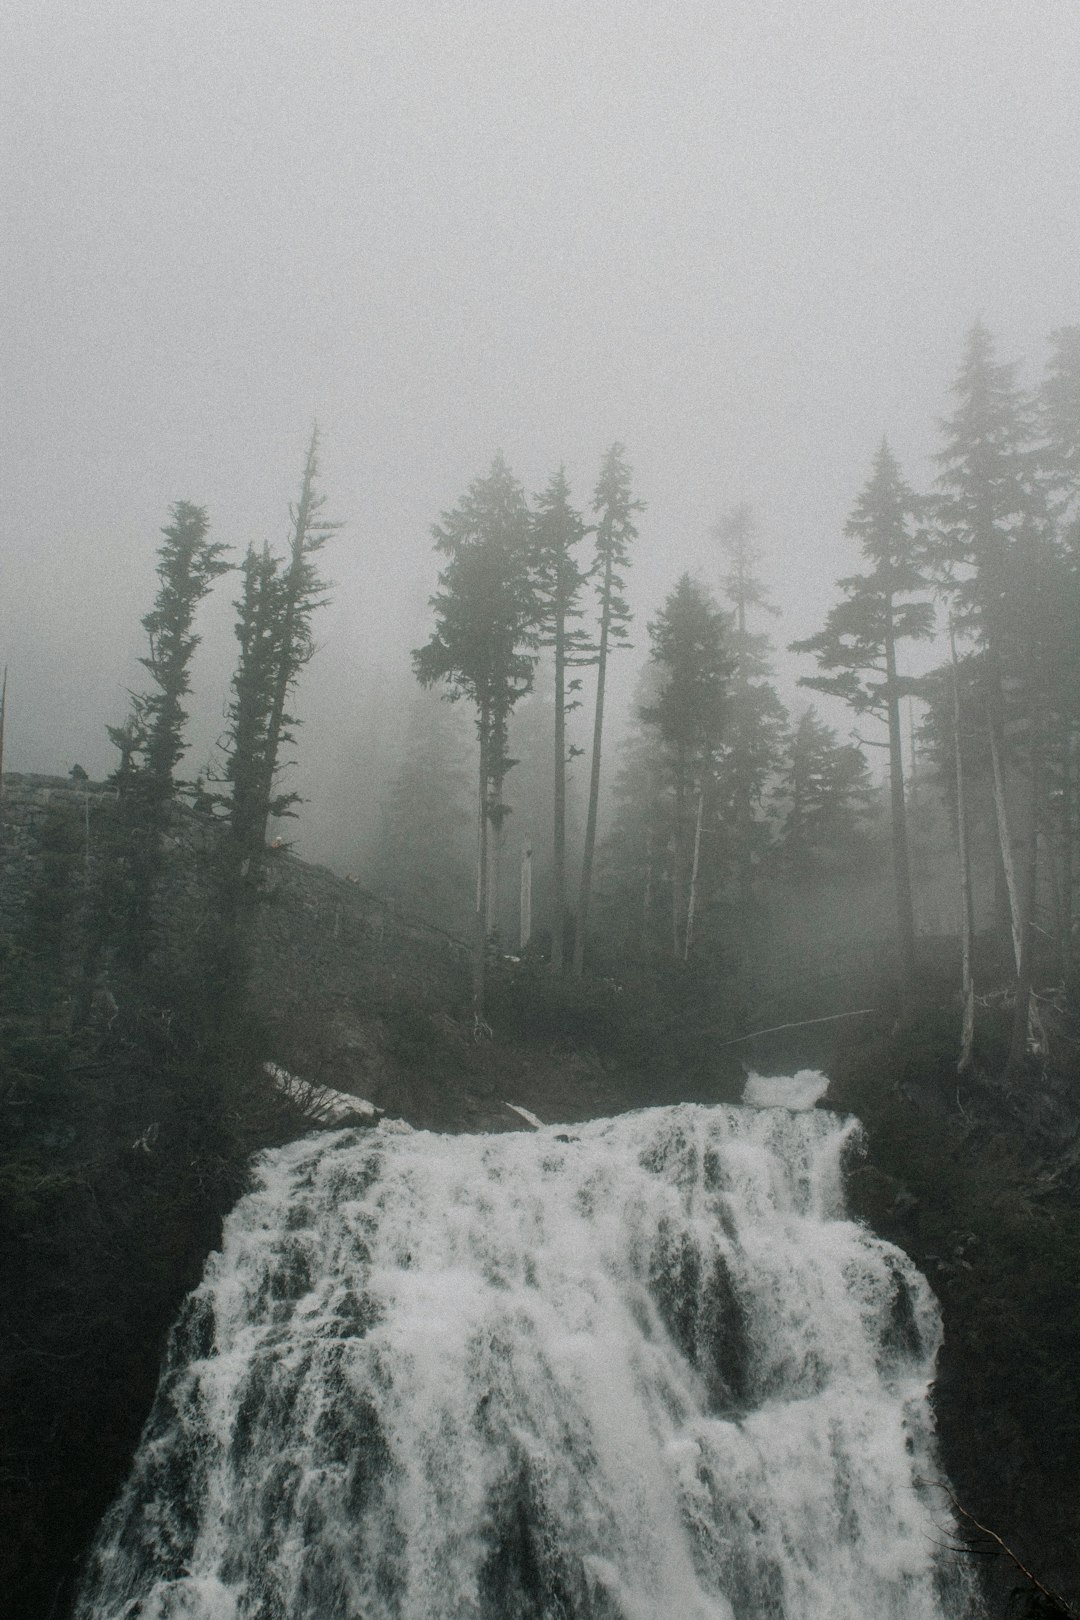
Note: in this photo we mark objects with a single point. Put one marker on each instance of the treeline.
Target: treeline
(728, 815)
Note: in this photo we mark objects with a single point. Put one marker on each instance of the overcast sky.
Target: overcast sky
(745, 237)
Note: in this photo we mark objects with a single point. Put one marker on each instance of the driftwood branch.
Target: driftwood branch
(1057, 1602)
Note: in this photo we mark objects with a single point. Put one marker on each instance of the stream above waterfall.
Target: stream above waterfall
(642, 1368)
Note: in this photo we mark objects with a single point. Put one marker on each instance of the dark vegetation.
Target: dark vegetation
(753, 899)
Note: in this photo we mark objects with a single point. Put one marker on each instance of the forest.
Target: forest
(652, 904)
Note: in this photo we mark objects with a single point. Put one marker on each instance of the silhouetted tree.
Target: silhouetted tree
(690, 646)
(152, 742)
(615, 532)
(557, 530)
(992, 548)
(859, 642)
(425, 852)
(483, 646)
(827, 790)
(757, 721)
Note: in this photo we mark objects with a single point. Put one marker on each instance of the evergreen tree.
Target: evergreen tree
(827, 790)
(277, 602)
(425, 850)
(487, 618)
(993, 546)
(859, 642)
(152, 742)
(690, 645)
(615, 533)
(757, 723)
(988, 502)
(634, 869)
(1059, 430)
(557, 530)
(296, 592)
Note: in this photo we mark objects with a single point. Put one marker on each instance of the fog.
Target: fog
(743, 237)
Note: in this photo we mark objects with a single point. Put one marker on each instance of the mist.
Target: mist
(745, 240)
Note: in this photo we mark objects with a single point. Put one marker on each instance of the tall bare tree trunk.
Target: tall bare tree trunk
(526, 896)
(967, 910)
(480, 930)
(558, 861)
(905, 916)
(585, 893)
(691, 905)
(1001, 811)
(1025, 1027)
(3, 712)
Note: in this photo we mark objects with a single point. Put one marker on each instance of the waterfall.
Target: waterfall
(638, 1369)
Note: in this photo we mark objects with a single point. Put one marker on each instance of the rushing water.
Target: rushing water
(639, 1369)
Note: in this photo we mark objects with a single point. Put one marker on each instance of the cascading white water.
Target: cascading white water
(639, 1369)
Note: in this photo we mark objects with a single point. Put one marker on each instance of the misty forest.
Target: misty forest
(540, 883)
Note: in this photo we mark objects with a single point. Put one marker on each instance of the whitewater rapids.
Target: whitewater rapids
(638, 1369)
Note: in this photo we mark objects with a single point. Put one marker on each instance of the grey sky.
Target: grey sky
(745, 238)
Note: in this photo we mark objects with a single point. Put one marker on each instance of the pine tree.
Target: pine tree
(615, 532)
(993, 546)
(690, 646)
(827, 790)
(487, 617)
(278, 600)
(424, 854)
(246, 737)
(557, 530)
(297, 592)
(152, 742)
(757, 724)
(634, 867)
(1059, 432)
(859, 642)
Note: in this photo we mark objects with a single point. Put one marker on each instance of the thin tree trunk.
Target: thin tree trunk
(585, 893)
(525, 933)
(3, 712)
(287, 665)
(1068, 800)
(1004, 842)
(691, 906)
(679, 885)
(1024, 1026)
(480, 925)
(967, 913)
(905, 917)
(558, 874)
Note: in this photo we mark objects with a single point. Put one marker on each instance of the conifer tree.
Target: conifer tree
(483, 646)
(425, 852)
(634, 868)
(859, 643)
(615, 532)
(757, 722)
(245, 741)
(299, 593)
(278, 600)
(827, 790)
(557, 530)
(690, 646)
(152, 742)
(993, 545)
(1059, 433)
